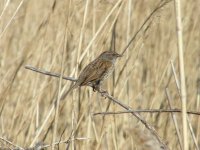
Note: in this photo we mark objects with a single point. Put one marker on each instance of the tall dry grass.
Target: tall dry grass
(63, 36)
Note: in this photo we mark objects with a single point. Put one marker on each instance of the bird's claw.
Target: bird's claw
(100, 90)
(103, 93)
(94, 90)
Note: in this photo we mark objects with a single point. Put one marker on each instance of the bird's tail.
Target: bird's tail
(70, 89)
(73, 87)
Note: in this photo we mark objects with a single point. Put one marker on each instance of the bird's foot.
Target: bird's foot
(94, 89)
(103, 93)
(100, 90)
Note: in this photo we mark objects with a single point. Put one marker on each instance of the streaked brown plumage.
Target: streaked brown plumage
(97, 71)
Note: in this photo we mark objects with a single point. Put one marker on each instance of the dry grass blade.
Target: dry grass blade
(179, 92)
(174, 119)
(58, 101)
(10, 143)
(11, 19)
(160, 5)
(99, 30)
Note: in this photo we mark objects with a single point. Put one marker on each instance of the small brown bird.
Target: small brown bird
(97, 71)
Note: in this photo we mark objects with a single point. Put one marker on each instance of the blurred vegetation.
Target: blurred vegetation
(41, 33)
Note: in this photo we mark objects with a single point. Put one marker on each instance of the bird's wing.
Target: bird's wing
(95, 71)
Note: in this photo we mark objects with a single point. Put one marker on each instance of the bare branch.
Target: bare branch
(106, 95)
(147, 111)
(49, 73)
(137, 115)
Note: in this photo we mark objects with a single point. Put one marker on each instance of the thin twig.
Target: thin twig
(147, 111)
(57, 75)
(147, 125)
(3, 139)
(160, 5)
(65, 141)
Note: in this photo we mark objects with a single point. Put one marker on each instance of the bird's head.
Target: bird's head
(110, 55)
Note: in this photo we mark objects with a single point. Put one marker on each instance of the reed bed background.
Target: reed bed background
(64, 36)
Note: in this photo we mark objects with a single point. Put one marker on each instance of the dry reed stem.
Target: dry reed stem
(82, 32)
(58, 98)
(187, 119)
(197, 108)
(177, 4)
(129, 11)
(174, 118)
(76, 110)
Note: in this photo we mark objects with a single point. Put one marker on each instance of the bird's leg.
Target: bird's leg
(93, 87)
(103, 93)
(97, 87)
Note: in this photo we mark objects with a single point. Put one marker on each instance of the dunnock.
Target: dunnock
(97, 71)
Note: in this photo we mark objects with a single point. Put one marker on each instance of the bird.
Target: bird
(97, 71)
